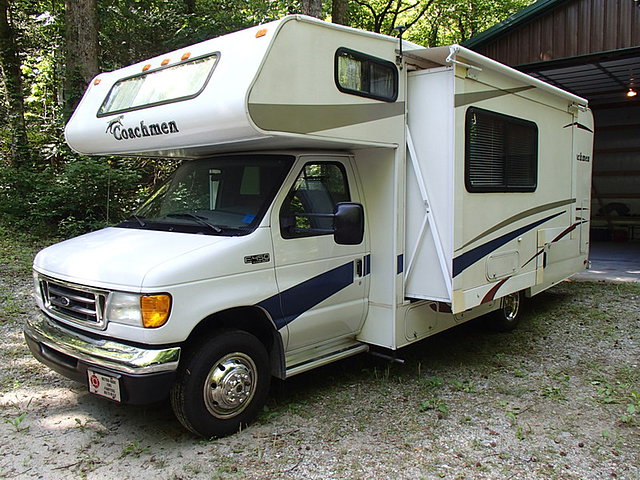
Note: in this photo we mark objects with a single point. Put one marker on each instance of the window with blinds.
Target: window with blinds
(365, 76)
(501, 153)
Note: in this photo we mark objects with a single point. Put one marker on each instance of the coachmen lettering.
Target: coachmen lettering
(121, 132)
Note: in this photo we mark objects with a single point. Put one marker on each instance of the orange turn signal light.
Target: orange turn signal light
(155, 310)
(97, 81)
(185, 56)
(261, 33)
(165, 61)
(146, 67)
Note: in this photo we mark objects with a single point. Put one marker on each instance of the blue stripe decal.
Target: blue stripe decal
(367, 265)
(274, 308)
(286, 306)
(462, 262)
(400, 264)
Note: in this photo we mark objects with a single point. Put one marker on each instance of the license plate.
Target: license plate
(104, 385)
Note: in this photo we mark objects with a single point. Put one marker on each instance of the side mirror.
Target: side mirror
(348, 223)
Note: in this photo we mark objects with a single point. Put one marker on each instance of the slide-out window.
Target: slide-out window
(164, 85)
(366, 76)
(501, 153)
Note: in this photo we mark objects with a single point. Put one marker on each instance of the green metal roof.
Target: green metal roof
(526, 15)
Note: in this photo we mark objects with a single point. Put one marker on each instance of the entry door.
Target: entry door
(323, 286)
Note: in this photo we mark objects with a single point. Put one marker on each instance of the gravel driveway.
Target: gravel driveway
(559, 398)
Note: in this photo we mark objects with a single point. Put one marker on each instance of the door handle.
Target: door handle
(359, 267)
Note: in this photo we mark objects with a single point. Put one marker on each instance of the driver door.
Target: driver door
(323, 285)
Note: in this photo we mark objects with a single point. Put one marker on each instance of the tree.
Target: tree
(81, 59)
(51, 49)
(312, 7)
(383, 16)
(12, 81)
(454, 21)
(340, 12)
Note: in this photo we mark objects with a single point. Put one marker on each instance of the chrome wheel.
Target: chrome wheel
(510, 306)
(230, 385)
(507, 316)
(222, 383)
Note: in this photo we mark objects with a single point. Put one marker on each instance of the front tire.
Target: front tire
(222, 384)
(507, 317)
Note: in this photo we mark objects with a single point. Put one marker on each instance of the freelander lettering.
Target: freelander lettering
(120, 132)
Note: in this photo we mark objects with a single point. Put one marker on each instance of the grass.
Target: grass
(16, 258)
(134, 449)
(17, 251)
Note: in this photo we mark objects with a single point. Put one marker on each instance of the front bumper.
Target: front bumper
(145, 374)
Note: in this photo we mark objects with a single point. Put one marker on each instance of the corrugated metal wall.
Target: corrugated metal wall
(576, 28)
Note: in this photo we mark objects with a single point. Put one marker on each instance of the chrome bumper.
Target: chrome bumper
(101, 352)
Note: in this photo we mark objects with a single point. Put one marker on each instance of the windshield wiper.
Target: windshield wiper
(138, 219)
(197, 219)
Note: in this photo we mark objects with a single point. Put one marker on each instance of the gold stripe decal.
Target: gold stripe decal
(520, 216)
(462, 99)
(316, 118)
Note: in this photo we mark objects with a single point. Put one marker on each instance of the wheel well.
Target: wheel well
(249, 319)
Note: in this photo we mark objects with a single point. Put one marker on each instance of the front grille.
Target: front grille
(74, 303)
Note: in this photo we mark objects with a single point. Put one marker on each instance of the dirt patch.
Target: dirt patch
(559, 398)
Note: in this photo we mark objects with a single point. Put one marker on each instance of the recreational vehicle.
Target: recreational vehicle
(340, 191)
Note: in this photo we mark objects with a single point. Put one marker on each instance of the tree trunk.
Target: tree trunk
(191, 6)
(312, 7)
(81, 19)
(12, 79)
(340, 12)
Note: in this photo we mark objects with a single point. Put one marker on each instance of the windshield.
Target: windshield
(217, 196)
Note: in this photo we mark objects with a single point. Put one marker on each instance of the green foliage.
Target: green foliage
(433, 22)
(134, 449)
(434, 403)
(16, 422)
(85, 194)
(59, 193)
(621, 390)
(133, 30)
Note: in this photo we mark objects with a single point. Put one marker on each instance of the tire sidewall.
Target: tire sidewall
(501, 322)
(188, 397)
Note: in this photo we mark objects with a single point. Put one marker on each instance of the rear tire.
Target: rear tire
(507, 317)
(222, 384)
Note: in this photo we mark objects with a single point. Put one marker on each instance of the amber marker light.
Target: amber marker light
(155, 310)
(165, 61)
(185, 56)
(261, 33)
(97, 81)
(146, 67)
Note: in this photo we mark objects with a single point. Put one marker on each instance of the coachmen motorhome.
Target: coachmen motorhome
(339, 193)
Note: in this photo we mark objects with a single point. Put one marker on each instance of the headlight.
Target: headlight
(36, 285)
(149, 311)
(124, 308)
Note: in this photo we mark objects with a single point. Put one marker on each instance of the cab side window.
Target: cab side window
(309, 206)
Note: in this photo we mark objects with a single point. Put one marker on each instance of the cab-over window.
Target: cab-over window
(366, 76)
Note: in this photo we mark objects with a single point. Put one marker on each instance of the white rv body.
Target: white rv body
(437, 248)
